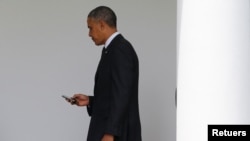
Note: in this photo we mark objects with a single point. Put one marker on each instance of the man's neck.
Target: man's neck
(110, 32)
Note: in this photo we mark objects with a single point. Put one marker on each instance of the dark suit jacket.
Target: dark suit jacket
(114, 107)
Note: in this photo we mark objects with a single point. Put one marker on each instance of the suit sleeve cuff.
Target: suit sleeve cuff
(90, 105)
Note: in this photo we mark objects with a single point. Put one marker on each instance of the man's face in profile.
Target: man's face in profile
(95, 31)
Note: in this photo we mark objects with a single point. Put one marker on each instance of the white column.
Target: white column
(213, 78)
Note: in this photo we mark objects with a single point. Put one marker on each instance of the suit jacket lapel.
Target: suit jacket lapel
(100, 62)
(104, 53)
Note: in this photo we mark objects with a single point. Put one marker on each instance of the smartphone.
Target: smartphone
(71, 100)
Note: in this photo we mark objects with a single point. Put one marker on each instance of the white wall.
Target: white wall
(213, 66)
(45, 52)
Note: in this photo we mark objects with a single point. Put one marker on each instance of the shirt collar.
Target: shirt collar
(110, 39)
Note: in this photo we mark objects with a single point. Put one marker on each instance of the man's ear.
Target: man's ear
(102, 24)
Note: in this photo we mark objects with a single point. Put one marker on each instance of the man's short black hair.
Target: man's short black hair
(105, 14)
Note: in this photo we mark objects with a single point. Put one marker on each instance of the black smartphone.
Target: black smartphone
(69, 99)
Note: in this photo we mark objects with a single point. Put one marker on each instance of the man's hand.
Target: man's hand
(81, 99)
(108, 137)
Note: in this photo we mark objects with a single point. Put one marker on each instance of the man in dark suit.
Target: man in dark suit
(114, 108)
